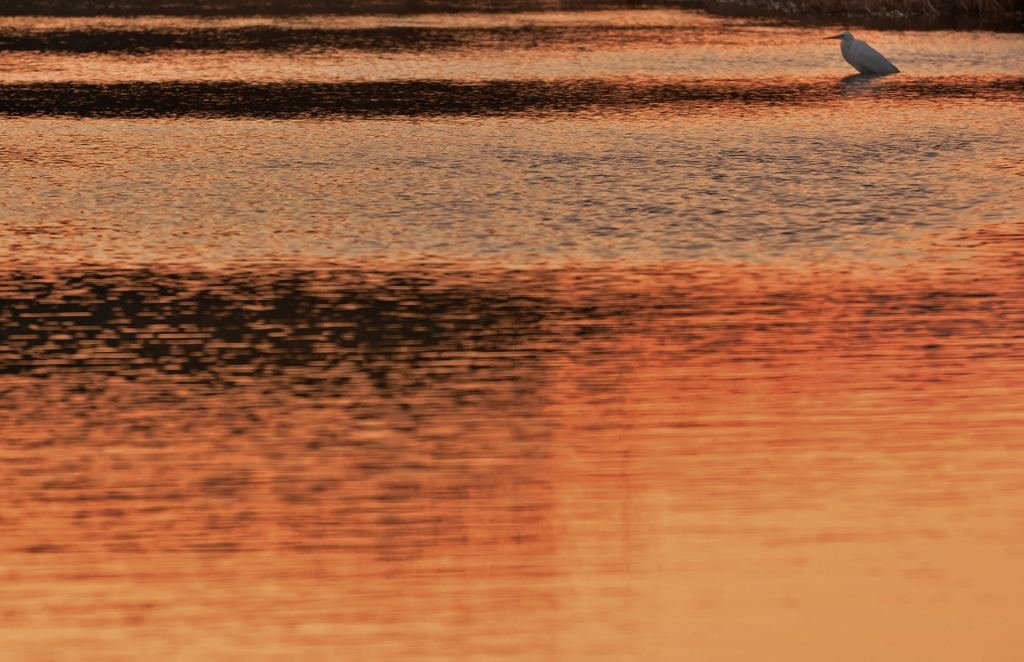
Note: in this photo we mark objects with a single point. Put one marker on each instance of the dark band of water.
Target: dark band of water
(296, 7)
(297, 325)
(388, 38)
(440, 98)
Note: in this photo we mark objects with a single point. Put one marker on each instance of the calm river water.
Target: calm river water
(636, 335)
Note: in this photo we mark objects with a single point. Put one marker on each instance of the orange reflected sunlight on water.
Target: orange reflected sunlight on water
(569, 464)
(637, 335)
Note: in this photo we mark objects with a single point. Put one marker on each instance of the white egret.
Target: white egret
(862, 57)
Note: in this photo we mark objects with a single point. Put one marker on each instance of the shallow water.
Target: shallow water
(454, 344)
(554, 45)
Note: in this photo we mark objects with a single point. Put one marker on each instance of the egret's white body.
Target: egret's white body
(862, 57)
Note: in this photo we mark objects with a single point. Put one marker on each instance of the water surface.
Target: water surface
(569, 336)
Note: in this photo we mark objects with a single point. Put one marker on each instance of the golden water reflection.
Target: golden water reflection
(441, 462)
(564, 336)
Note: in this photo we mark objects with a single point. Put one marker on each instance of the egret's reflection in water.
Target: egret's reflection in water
(858, 84)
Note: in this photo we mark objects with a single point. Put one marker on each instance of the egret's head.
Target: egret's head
(842, 35)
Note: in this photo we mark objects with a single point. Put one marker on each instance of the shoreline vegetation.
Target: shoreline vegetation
(1003, 15)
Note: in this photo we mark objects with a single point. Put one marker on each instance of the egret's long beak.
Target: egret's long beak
(838, 36)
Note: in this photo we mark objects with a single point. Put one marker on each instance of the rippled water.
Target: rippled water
(610, 335)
